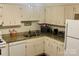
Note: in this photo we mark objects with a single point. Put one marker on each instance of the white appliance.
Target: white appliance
(3, 46)
(72, 38)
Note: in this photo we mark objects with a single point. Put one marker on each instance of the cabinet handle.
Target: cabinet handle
(66, 37)
(57, 48)
(25, 46)
(0, 15)
(74, 9)
(1, 7)
(44, 42)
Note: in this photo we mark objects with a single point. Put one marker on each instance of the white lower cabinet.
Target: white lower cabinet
(50, 47)
(60, 49)
(53, 47)
(53, 50)
(30, 51)
(47, 47)
(39, 47)
(36, 46)
(17, 49)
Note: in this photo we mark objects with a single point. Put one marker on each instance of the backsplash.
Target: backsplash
(22, 28)
(59, 28)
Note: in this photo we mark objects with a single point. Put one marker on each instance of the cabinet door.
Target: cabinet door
(59, 15)
(53, 50)
(55, 15)
(34, 47)
(47, 47)
(76, 9)
(6, 15)
(17, 50)
(39, 46)
(49, 15)
(30, 51)
(39, 14)
(69, 12)
(50, 47)
(14, 15)
(36, 13)
(1, 14)
(11, 15)
(30, 11)
(24, 12)
(60, 49)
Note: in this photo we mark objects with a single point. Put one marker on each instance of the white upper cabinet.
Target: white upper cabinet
(31, 13)
(49, 15)
(1, 14)
(38, 14)
(11, 15)
(55, 15)
(24, 12)
(6, 15)
(30, 10)
(76, 9)
(69, 12)
(59, 15)
(41, 15)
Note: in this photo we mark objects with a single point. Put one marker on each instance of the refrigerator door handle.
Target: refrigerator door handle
(65, 43)
(66, 30)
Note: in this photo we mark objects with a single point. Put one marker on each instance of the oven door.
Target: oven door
(0, 51)
(4, 51)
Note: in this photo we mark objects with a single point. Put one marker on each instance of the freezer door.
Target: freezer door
(72, 47)
(73, 28)
(70, 52)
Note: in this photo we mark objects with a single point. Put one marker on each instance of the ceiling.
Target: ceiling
(49, 4)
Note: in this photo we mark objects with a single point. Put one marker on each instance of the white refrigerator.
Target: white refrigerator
(71, 38)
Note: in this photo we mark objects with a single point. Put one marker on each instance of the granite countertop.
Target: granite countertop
(55, 37)
(8, 39)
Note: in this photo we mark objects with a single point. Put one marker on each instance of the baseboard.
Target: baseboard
(43, 54)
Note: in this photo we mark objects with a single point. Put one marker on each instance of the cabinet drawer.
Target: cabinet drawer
(16, 43)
